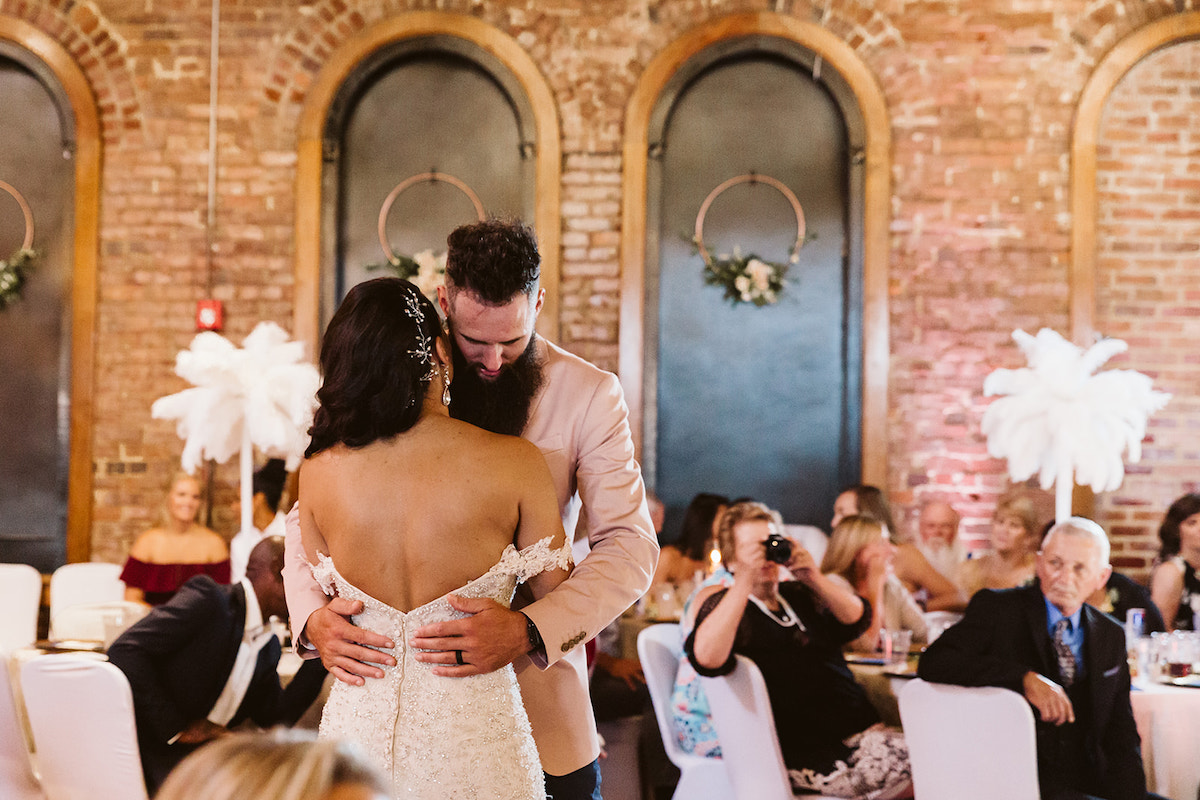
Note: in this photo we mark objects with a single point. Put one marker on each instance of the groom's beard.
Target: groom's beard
(500, 405)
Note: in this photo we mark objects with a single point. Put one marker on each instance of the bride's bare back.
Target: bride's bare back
(410, 518)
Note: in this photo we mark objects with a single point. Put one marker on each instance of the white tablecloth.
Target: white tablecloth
(1168, 719)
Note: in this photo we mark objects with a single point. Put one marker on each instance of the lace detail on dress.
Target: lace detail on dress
(877, 768)
(441, 737)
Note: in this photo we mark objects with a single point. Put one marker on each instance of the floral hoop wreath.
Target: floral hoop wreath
(749, 278)
(425, 269)
(14, 270)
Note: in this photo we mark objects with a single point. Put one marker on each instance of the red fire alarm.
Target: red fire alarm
(209, 315)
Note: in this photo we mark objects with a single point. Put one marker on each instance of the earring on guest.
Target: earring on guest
(445, 385)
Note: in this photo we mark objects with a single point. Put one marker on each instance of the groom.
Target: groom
(510, 380)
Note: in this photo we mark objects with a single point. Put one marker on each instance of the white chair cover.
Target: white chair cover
(81, 713)
(969, 742)
(84, 583)
(701, 778)
(87, 622)
(16, 769)
(745, 725)
(20, 597)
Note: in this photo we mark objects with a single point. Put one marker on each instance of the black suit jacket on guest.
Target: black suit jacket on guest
(177, 660)
(1003, 636)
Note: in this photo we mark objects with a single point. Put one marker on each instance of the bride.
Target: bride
(400, 505)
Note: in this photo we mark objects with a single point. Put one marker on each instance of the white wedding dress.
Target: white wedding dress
(441, 737)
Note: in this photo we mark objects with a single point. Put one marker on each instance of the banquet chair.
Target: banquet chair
(82, 584)
(659, 649)
(81, 712)
(17, 778)
(975, 742)
(745, 726)
(21, 597)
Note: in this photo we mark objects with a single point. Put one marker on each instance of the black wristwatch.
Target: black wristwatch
(535, 639)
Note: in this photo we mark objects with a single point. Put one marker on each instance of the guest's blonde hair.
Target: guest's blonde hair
(276, 765)
(735, 515)
(848, 539)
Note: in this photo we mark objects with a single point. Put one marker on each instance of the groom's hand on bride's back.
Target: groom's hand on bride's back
(487, 640)
(346, 649)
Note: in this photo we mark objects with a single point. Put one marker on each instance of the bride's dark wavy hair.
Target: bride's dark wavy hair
(376, 363)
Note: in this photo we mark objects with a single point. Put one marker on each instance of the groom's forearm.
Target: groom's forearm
(304, 595)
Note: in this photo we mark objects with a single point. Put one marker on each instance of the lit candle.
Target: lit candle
(714, 558)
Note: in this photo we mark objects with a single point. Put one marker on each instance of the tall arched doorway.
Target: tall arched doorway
(785, 402)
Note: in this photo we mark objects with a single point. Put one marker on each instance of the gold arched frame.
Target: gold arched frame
(83, 274)
(547, 167)
(876, 210)
(1088, 116)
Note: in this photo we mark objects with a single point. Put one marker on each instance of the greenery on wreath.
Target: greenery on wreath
(425, 269)
(13, 273)
(747, 278)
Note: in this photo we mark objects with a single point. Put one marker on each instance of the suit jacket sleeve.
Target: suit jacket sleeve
(624, 547)
(271, 704)
(975, 652)
(141, 653)
(304, 594)
(1120, 744)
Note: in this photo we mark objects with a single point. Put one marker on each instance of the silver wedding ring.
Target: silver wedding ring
(458, 658)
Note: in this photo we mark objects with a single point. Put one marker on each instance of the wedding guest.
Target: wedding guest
(1012, 560)
(1067, 659)
(793, 631)
(267, 519)
(679, 561)
(1174, 583)
(206, 660)
(860, 558)
(938, 539)
(1119, 595)
(911, 566)
(275, 765)
(164, 557)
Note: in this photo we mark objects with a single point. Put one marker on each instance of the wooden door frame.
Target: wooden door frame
(877, 211)
(547, 169)
(1085, 209)
(79, 93)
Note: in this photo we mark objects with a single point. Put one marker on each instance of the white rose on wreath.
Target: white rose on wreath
(747, 279)
(426, 270)
(13, 273)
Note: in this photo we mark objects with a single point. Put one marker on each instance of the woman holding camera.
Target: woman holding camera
(828, 730)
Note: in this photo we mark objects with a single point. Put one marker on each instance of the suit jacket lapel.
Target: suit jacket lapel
(1035, 619)
(1094, 655)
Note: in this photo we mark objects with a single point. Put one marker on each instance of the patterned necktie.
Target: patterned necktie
(1066, 659)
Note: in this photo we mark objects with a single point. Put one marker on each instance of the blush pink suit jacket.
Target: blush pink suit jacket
(581, 424)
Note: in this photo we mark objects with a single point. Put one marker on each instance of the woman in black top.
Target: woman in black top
(828, 730)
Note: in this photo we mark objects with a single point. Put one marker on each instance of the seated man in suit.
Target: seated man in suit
(206, 660)
(1066, 658)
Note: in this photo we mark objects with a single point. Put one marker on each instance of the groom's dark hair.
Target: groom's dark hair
(495, 260)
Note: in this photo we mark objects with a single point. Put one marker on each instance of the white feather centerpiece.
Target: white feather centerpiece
(1064, 422)
(261, 395)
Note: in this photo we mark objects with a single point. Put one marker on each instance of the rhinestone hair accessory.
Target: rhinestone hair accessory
(423, 353)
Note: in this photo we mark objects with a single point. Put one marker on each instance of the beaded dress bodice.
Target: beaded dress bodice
(441, 737)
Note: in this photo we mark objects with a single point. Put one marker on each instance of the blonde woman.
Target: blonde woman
(861, 558)
(1012, 561)
(163, 558)
(912, 567)
(276, 765)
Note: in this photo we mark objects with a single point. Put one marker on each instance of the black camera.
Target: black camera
(779, 549)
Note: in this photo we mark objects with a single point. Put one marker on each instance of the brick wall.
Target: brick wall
(980, 94)
(1149, 278)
